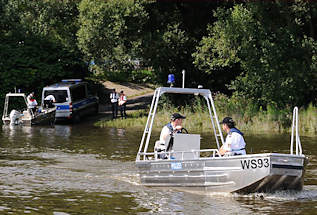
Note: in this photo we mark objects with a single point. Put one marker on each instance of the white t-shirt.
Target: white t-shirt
(235, 143)
(165, 131)
(50, 97)
(29, 97)
(32, 103)
(114, 97)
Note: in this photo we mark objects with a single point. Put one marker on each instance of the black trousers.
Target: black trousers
(114, 107)
(48, 104)
(123, 110)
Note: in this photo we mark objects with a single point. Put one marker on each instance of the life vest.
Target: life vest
(114, 97)
(170, 127)
(232, 130)
(122, 99)
(171, 142)
(235, 130)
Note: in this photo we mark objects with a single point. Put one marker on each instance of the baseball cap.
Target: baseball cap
(177, 116)
(227, 120)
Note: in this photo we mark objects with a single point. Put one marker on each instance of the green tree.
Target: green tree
(110, 33)
(268, 42)
(171, 34)
(36, 48)
(53, 19)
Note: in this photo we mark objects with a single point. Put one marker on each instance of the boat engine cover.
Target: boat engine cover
(15, 117)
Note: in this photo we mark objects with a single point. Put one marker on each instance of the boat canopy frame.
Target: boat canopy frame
(6, 103)
(144, 144)
(206, 93)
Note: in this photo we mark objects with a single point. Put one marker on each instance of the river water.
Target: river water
(81, 169)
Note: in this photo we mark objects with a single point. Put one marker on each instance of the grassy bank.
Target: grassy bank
(246, 116)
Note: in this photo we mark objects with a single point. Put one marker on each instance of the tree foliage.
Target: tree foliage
(38, 44)
(264, 52)
(269, 42)
(110, 33)
(170, 37)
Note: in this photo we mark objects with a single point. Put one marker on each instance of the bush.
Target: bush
(247, 116)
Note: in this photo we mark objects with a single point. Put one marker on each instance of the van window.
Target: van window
(78, 93)
(60, 95)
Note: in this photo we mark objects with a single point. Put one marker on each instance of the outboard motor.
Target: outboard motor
(15, 117)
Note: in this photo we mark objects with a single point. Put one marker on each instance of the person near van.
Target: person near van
(32, 103)
(123, 105)
(49, 100)
(234, 144)
(114, 97)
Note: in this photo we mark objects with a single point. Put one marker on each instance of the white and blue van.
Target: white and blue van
(71, 99)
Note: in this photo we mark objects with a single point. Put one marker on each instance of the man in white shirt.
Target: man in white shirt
(234, 144)
(49, 100)
(175, 126)
(114, 97)
(32, 103)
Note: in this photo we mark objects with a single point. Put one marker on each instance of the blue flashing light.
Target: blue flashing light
(71, 80)
(171, 79)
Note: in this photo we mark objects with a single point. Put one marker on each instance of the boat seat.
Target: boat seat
(26, 115)
(187, 143)
(161, 146)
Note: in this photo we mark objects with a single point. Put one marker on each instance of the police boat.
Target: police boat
(16, 112)
(187, 166)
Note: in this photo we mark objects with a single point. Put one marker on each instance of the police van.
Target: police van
(71, 99)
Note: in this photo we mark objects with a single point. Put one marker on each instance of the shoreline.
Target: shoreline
(247, 117)
(197, 122)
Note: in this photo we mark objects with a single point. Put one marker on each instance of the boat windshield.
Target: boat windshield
(16, 103)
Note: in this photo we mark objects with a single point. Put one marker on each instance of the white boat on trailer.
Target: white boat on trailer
(196, 169)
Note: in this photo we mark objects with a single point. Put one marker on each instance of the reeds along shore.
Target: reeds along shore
(247, 117)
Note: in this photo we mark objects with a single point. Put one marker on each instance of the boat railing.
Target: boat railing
(180, 155)
(295, 132)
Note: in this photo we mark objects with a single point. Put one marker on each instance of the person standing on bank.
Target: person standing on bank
(123, 105)
(234, 144)
(114, 103)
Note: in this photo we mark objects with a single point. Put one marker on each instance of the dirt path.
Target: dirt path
(131, 90)
(139, 96)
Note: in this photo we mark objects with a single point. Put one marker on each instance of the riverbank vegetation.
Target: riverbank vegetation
(245, 114)
(262, 53)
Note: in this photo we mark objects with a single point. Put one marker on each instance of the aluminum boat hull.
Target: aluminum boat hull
(245, 174)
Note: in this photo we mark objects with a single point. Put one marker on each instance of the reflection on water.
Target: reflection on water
(82, 169)
(13, 131)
